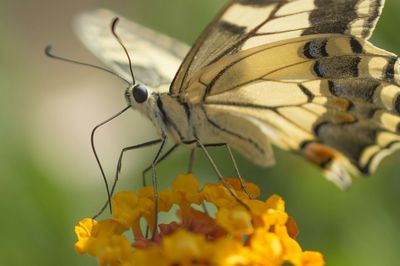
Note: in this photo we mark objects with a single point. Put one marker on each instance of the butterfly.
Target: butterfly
(298, 74)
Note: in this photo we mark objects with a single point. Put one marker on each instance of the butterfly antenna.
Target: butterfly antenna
(48, 52)
(92, 135)
(113, 26)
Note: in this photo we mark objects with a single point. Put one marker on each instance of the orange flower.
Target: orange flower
(229, 236)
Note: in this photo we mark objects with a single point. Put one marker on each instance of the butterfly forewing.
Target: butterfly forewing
(155, 57)
(245, 24)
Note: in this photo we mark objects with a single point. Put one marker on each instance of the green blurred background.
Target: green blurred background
(48, 176)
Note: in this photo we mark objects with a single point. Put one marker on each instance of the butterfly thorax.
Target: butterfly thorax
(169, 115)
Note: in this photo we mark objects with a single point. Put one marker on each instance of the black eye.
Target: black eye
(140, 93)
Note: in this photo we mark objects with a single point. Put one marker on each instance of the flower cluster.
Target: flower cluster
(262, 234)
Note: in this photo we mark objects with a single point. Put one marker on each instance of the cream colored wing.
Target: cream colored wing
(333, 98)
(245, 24)
(155, 57)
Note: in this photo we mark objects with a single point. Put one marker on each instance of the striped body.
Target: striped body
(184, 123)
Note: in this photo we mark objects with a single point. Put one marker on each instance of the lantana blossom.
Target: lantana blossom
(261, 235)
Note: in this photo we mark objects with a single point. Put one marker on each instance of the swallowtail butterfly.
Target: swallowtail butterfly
(298, 74)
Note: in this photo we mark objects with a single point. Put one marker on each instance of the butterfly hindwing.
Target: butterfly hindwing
(333, 98)
(155, 57)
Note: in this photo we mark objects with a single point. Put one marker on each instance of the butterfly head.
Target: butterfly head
(136, 94)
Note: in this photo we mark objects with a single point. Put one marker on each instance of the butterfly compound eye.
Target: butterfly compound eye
(140, 93)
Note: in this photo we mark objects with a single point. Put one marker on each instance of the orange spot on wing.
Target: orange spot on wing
(339, 103)
(318, 154)
(340, 118)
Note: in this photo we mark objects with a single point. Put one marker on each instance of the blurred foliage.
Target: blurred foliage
(40, 203)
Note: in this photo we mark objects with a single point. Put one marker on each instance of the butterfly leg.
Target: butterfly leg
(119, 166)
(164, 156)
(241, 180)
(147, 169)
(191, 160)
(154, 181)
(220, 177)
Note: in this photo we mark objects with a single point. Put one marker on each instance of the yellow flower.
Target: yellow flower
(146, 195)
(274, 218)
(185, 190)
(126, 208)
(228, 252)
(266, 248)
(107, 228)
(165, 199)
(268, 213)
(83, 231)
(292, 250)
(310, 258)
(91, 234)
(264, 235)
(235, 184)
(112, 250)
(188, 186)
(236, 222)
(275, 202)
(219, 196)
(183, 248)
(150, 256)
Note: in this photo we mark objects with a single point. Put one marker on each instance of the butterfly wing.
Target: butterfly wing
(333, 98)
(258, 80)
(155, 57)
(245, 24)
